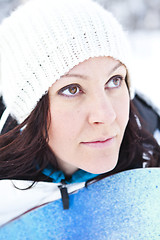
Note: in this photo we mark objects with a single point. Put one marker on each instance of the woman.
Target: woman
(65, 77)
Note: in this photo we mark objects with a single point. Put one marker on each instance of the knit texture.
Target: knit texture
(43, 39)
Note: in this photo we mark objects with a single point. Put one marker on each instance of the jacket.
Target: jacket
(122, 206)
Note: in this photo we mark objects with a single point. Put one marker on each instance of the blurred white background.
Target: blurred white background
(141, 20)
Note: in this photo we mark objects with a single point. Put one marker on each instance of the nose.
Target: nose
(101, 110)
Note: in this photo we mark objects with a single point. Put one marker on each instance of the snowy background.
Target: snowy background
(141, 20)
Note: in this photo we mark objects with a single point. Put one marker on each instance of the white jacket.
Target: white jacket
(15, 202)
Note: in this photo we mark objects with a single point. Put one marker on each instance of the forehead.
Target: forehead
(96, 65)
(93, 67)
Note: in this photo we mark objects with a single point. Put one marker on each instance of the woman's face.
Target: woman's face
(89, 109)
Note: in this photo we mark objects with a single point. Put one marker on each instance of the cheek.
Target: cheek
(64, 126)
(122, 109)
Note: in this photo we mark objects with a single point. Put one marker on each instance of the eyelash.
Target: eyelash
(80, 90)
(115, 78)
(70, 86)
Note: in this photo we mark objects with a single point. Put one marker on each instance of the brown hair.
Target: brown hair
(25, 153)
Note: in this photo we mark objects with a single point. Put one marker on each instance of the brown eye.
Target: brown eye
(114, 82)
(72, 89)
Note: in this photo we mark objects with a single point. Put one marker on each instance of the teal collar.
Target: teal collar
(78, 176)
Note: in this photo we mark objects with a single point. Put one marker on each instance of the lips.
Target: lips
(100, 142)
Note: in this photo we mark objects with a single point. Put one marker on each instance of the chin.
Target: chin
(104, 164)
(102, 169)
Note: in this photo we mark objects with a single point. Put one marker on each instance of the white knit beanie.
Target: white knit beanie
(43, 39)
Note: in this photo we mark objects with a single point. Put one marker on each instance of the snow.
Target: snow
(146, 67)
(146, 64)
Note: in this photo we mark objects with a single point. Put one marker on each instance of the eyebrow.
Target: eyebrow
(76, 75)
(119, 64)
(86, 77)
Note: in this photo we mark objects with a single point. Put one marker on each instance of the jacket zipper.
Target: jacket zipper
(64, 194)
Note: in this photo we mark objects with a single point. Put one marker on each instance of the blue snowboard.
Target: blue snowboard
(125, 206)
